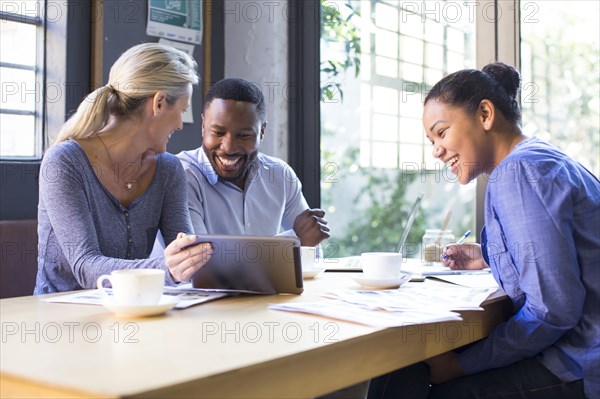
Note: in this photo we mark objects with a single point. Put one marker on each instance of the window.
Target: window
(374, 158)
(560, 59)
(21, 79)
(374, 154)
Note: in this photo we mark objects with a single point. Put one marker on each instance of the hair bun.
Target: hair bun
(506, 75)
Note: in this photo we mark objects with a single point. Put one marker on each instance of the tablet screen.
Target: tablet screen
(266, 265)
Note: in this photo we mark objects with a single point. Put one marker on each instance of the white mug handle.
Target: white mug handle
(100, 281)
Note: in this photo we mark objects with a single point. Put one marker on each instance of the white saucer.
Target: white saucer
(381, 283)
(312, 272)
(166, 302)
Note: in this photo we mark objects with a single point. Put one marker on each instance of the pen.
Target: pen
(460, 241)
(464, 237)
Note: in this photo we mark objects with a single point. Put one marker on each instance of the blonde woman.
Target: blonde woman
(107, 185)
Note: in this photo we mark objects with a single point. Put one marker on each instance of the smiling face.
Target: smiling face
(459, 139)
(168, 118)
(231, 132)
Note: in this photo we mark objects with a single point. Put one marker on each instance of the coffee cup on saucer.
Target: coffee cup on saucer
(134, 287)
(381, 265)
(309, 257)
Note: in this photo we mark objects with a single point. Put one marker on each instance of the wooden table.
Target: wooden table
(231, 348)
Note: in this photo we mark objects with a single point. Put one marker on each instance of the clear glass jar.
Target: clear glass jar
(433, 243)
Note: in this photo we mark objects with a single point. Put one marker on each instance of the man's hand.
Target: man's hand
(311, 227)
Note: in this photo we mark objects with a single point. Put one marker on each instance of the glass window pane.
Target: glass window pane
(28, 8)
(434, 32)
(385, 134)
(386, 17)
(412, 25)
(411, 105)
(365, 154)
(456, 40)
(365, 97)
(18, 89)
(456, 61)
(435, 55)
(386, 44)
(386, 67)
(385, 100)
(560, 97)
(365, 66)
(411, 130)
(432, 76)
(411, 154)
(385, 155)
(385, 127)
(365, 125)
(412, 72)
(17, 43)
(18, 135)
(430, 162)
(411, 50)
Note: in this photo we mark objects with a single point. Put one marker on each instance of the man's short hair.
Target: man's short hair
(239, 90)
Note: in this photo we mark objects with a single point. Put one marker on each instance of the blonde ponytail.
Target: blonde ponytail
(91, 116)
(137, 75)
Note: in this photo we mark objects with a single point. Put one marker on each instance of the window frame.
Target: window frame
(67, 82)
(39, 113)
(304, 121)
(502, 31)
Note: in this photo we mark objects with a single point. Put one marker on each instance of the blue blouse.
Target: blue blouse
(542, 242)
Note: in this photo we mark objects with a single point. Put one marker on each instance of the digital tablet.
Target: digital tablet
(265, 265)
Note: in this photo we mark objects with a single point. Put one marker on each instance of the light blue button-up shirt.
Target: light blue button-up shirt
(268, 205)
(542, 242)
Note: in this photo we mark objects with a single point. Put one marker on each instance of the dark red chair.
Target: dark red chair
(18, 257)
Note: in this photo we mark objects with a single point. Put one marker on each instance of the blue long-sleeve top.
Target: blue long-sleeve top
(542, 242)
(84, 231)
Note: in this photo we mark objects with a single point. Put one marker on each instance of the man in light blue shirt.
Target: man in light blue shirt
(233, 188)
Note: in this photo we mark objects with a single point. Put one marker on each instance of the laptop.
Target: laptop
(413, 266)
(251, 264)
(352, 263)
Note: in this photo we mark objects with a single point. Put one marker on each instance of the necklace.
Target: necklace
(128, 184)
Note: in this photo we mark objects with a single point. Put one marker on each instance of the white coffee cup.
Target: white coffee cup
(133, 287)
(308, 257)
(381, 265)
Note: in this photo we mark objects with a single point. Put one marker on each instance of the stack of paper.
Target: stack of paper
(416, 303)
(473, 280)
(341, 310)
(417, 297)
(187, 296)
